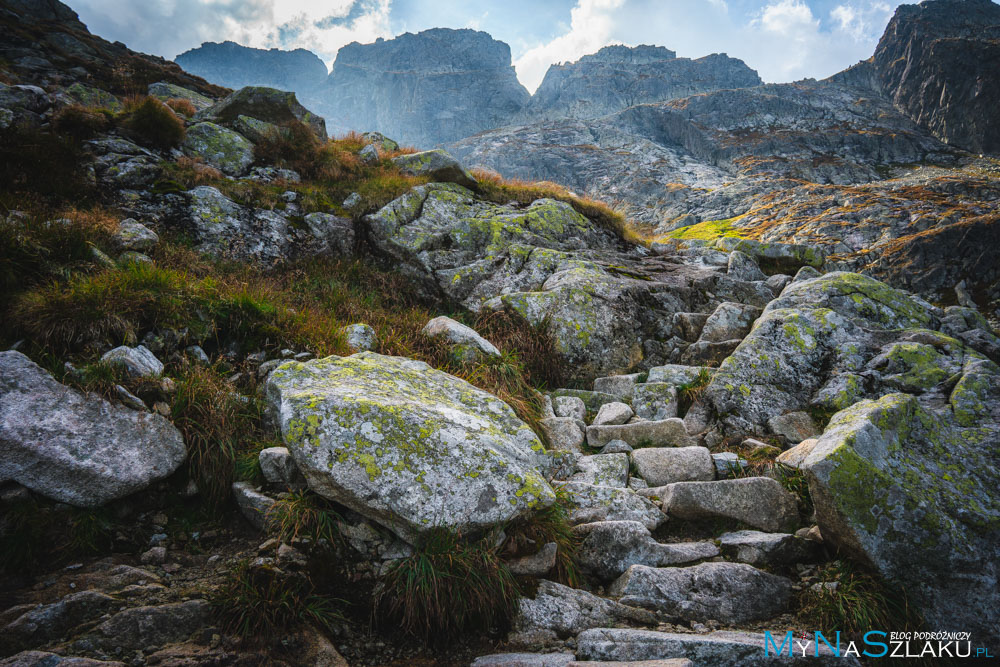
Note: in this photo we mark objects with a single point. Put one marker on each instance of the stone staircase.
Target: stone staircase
(683, 539)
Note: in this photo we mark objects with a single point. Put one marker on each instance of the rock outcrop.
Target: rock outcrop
(618, 77)
(423, 89)
(937, 61)
(76, 448)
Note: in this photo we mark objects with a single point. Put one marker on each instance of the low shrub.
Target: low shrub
(448, 587)
(153, 123)
(81, 122)
(260, 602)
(38, 165)
(304, 514)
(182, 106)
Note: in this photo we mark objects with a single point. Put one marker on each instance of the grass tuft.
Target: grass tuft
(304, 514)
(449, 587)
(261, 602)
(182, 106)
(689, 392)
(550, 524)
(153, 123)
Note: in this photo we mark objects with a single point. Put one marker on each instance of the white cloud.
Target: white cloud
(789, 18)
(591, 25)
(321, 27)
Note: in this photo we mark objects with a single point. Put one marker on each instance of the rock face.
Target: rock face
(908, 490)
(424, 89)
(937, 62)
(75, 448)
(408, 446)
(617, 77)
(235, 66)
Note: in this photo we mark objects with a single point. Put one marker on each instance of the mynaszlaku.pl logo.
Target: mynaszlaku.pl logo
(877, 644)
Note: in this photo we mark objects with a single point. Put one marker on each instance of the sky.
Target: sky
(784, 40)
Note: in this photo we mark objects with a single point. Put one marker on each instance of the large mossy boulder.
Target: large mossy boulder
(829, 342)
(270, 105)
(164, 91)
(220, 147)
(406, 445)
(915, 492)
(77, 448)
(438, 165)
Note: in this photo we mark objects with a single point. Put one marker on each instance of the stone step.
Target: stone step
(760, 502)
(663, 433)
(716, 649)
(730, 593)
(608, 548)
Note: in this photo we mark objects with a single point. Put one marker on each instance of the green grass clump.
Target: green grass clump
(449, 587)
(550, 524)
(35, 534)
(260, 603)
(153, 123)
(218, 426)
(81, 122)
(689, 392)
(861, 601)
(304, 514)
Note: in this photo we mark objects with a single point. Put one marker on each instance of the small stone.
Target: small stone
(198, 355)
(154, 556)
(536, 565)
(563, 433)
(569, 406)
(129, 399)
(138, 361)
(728, 464)
(360, 337)
(794, 426)
(613, 414)
(353, 200)
(468, 345)
(133, 235)
(616, 447)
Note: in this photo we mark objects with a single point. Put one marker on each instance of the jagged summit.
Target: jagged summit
(939, 62)
(236, 66)
(617, 77)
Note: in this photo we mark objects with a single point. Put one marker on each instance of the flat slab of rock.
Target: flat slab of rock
(75, 448)
(729, 593)
(603, 470)
(566, 611)
(138, 361)
(666, 465)
(766, 549)
(715, 649)
(592, 400)
(564, 433)
(655, 401)
(621, 386)
(466, 339)
(676, 374)
(664, 433)
(408, 446)
(608, 548)
(592, 503)
(758, 501)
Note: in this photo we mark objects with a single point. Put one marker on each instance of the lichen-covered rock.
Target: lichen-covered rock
(437, 165)
(665, 465)
(613, 414)
(908, 490)
(728, 321)
(602, 470)
(164, 91)
(608, 548)
(406, 445)
(267, 104)
(360, 337)
(220, 147)
(137, 361)
(621, 386)
(467, 344)
(569, 406)
(93, 97)
(655, 401)
(563, 433)
(728, 593)
(133, 235)
(75, 448)
(590, 503)
(664, 433)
